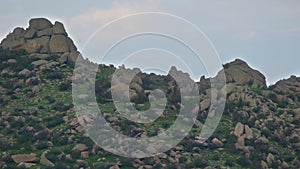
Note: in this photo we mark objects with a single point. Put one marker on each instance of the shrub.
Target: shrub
(200, 163)
(52, 155)
(256, 90)
(4, 144)
(65, 86)
(59, 106)
(54, 75)
(244, 161)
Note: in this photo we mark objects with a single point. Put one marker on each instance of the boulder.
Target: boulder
(114, 167)
(80, 147)
(270, 159)
(59, 29)
(30, 33)
(39, 23)
(39, 63)
(26, 165)
(239, 129)
(45, 32)
(241, 142)
(217, 142)
(248, 132)
(24, 72)
(264, 165)
(18, 33)
(59, 44)
(63, 58)
(36, 89)
(73, 56)
(32, 46)
(240, 72)
(24, 158)
(84, 154)
(205, 104)
(11, 61)
(262, 140)
(284, 165)
(37, 45)
(39, 56)
(45, 161)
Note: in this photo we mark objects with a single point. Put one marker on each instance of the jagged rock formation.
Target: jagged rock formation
(42, 37)
(239, 72)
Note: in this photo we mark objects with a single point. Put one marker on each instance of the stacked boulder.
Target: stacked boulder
(42, 37)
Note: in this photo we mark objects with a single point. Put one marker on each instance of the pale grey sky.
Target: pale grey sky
(266, 33)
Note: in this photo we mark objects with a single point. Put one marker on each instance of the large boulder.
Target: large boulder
(38, 45)
(40, 23)
(24, 158)
(240, 72)
(59, 29)
(239, 129)
(59, 44)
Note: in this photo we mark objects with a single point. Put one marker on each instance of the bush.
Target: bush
(54, 120)
(59, 106)
(65, 86)
(273, 97)
(54, 75)
(52, 155)
(50, 99)
(256, 90)
(200, 163)
(4, 144)
(41, 145)
(244, 161)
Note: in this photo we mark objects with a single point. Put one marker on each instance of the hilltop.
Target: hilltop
(260, 126)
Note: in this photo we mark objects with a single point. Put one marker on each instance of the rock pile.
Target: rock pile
(42, 37)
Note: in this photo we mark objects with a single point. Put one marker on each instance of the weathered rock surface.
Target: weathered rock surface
(24, 158)
(239, 129)
(42, 37)
(239, 72)
(45, 161)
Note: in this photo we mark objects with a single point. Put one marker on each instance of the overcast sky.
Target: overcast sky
(266, 33)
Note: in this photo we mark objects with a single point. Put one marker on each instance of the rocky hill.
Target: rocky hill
(260, 127)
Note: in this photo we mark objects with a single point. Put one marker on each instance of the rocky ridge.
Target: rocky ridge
(259, 128)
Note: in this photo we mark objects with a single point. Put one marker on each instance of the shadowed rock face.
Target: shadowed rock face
(239, 72)
(44, 38)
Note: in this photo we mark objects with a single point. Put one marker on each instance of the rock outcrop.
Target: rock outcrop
(240, 72)
(290, 85)
(42, 37)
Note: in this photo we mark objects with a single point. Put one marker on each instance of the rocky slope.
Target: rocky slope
(260, 127)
